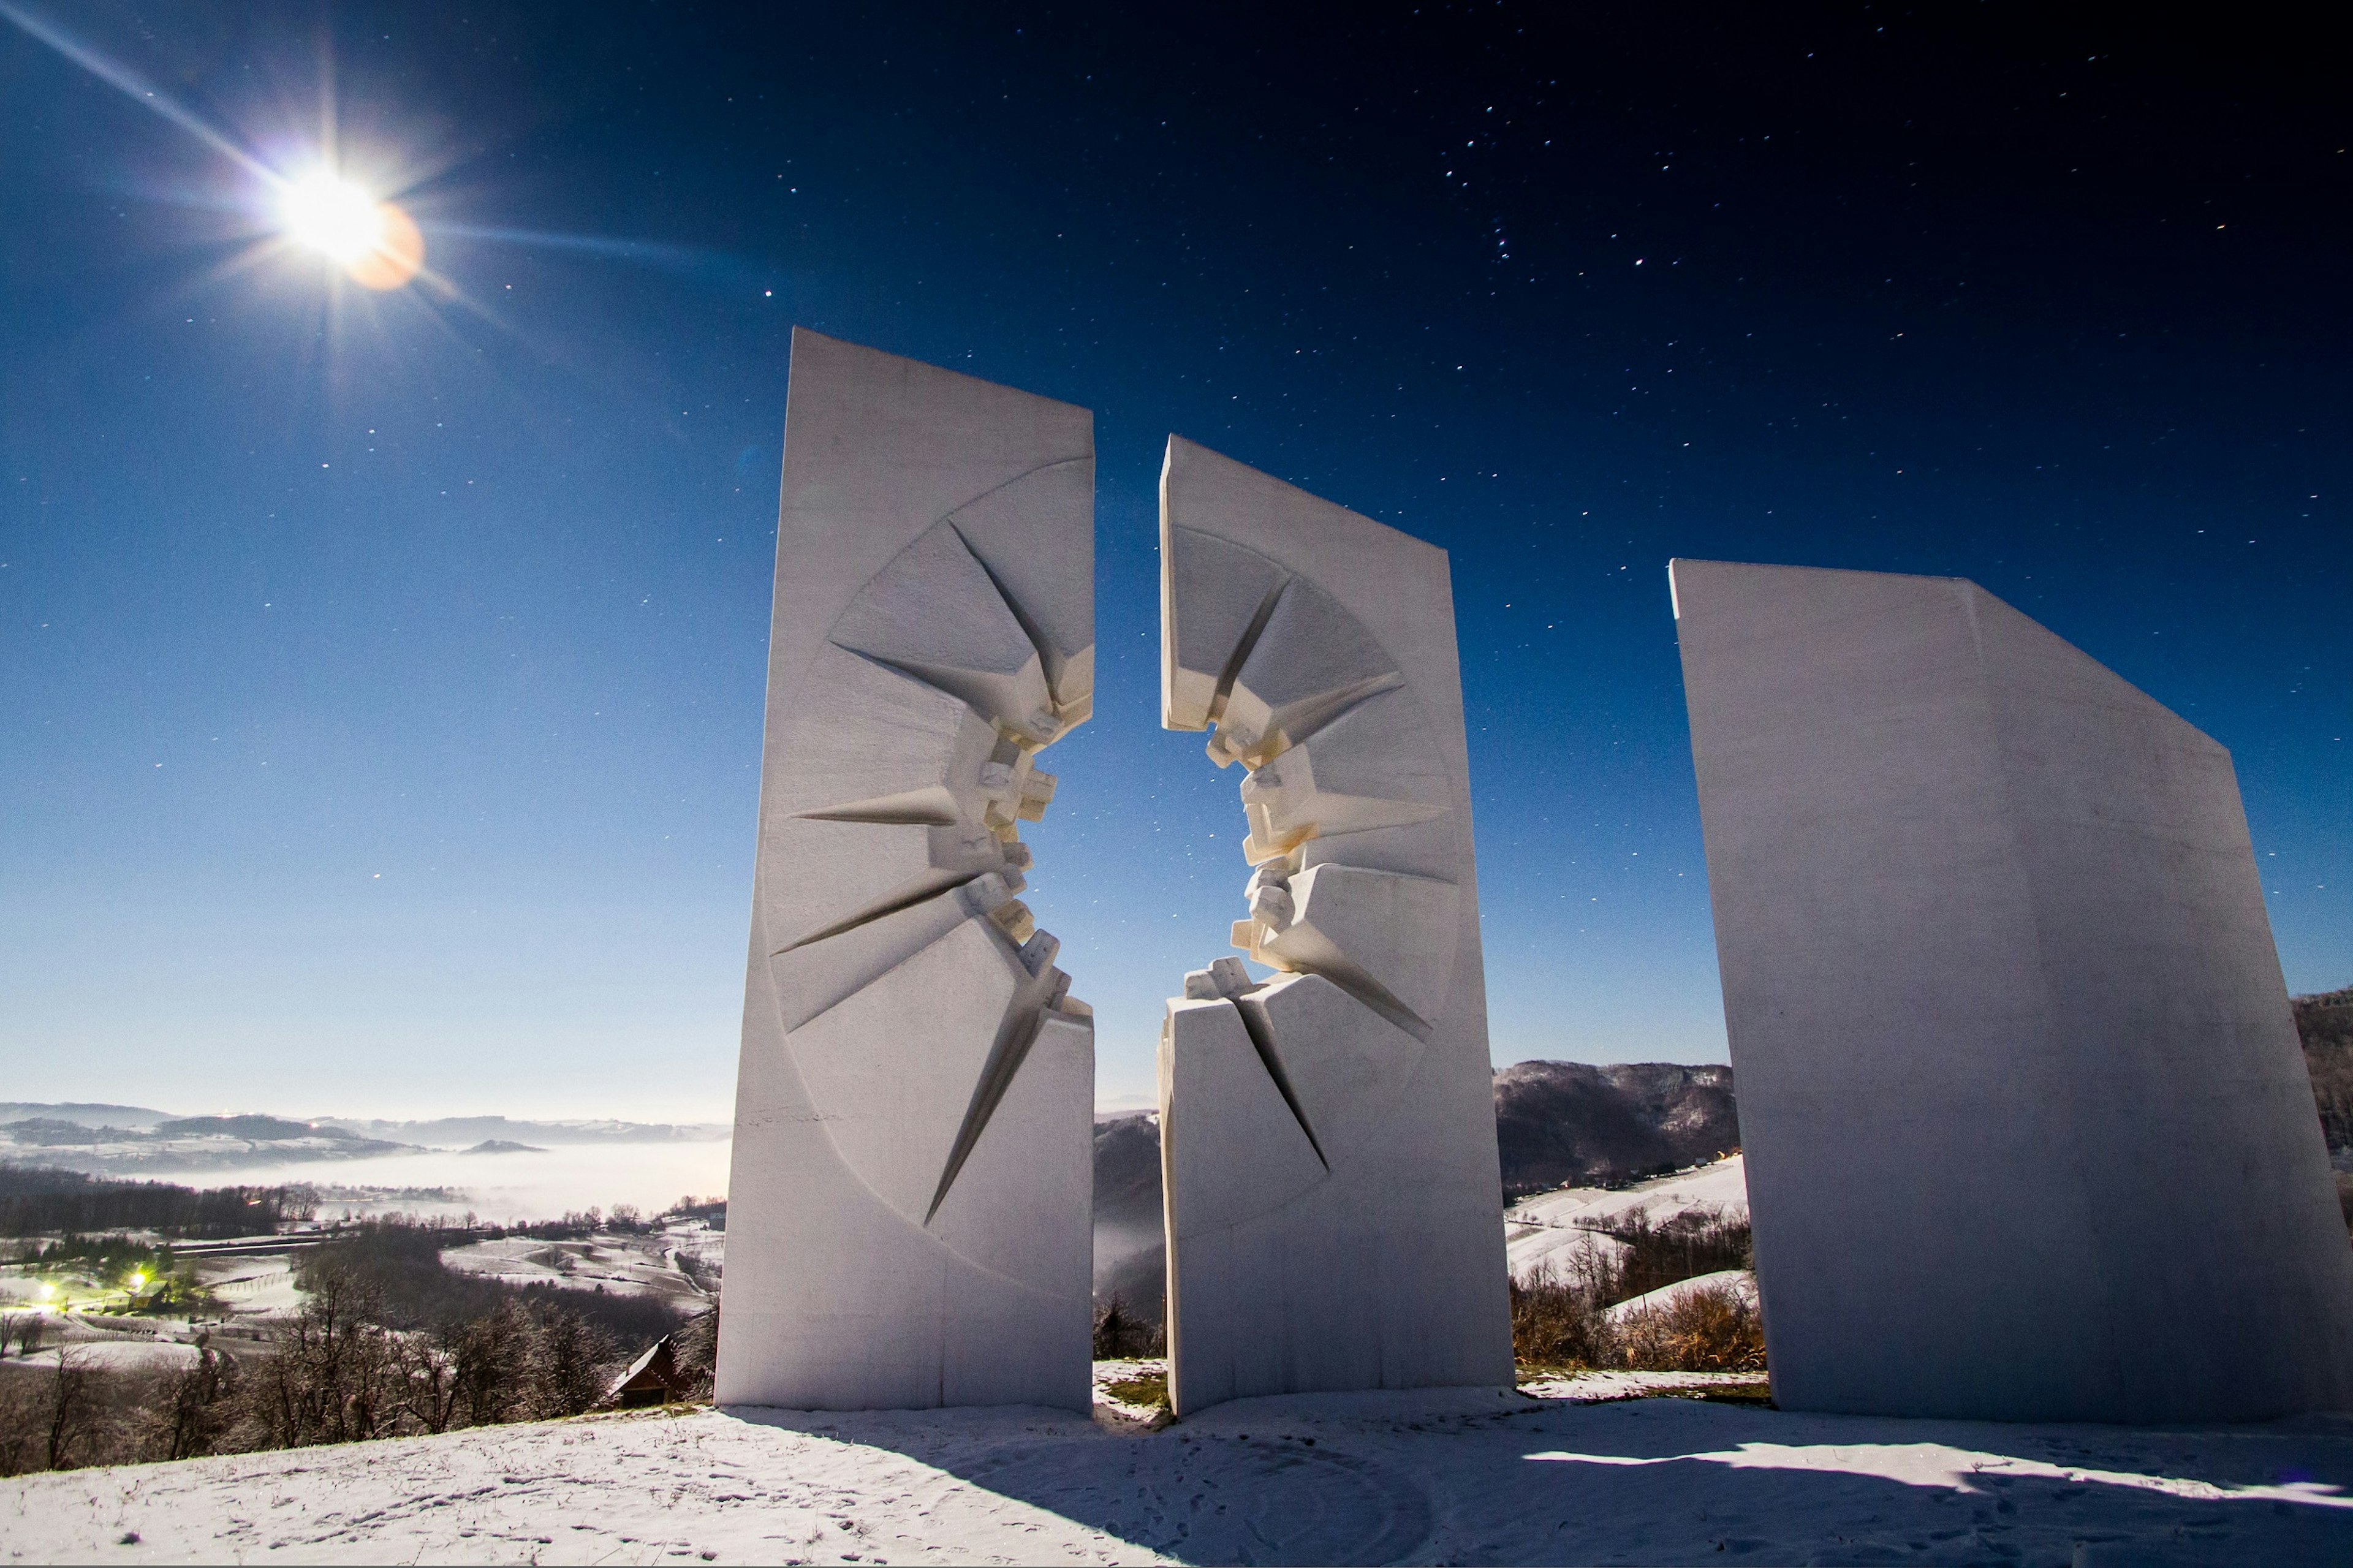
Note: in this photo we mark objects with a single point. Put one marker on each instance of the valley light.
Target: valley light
(138, 1279)
(48, 1290)
(332, 216)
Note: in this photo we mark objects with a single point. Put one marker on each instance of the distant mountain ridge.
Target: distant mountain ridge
(1557, 1124)
(461, 1132)
(446, 1132)
(186, 1144)
(130, 1139)
(135, 1117)
(1561, 1124)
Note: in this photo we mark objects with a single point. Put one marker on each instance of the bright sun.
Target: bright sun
(331, 214)
(374, 242)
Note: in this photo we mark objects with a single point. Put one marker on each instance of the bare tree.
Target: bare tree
(70, 1413)
(332, 1379)
(22, 1330)
(571, 1353)
(429, 1378)
(491, 1356)
(194, 1406)
(23, 1416)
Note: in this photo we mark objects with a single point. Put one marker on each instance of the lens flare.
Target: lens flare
(376, 243)
(398, 256)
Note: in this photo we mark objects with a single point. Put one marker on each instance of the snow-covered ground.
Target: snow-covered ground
(622, 1265)
(114, 1355)
(254, 1285)
(1462, 1476)
(1738, 1280)
(1540, 1231)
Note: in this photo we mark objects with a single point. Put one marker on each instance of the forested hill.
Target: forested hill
(1578, 1124)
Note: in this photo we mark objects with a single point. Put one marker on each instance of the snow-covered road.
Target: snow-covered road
(1446, 1477)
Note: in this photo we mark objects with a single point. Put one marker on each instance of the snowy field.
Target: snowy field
(624, 1265)
(1539, 1231)
(1462, 1476)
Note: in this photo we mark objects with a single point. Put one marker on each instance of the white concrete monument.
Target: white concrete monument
(911, 1203)
(1329, 1138)
(2029, 1133)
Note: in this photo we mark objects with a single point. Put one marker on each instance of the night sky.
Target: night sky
(382, 673)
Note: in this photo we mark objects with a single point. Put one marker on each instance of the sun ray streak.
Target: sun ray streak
(653, 252)
(134, 87)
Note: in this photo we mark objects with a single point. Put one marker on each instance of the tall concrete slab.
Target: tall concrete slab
(1333, 1206)
(911, 1204)
(2028, 1129)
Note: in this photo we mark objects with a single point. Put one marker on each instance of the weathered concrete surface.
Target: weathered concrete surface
(2029, 1135)
(911, 1202)
(1329, 1138)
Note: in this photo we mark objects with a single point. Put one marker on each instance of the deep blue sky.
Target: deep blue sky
(382, 675)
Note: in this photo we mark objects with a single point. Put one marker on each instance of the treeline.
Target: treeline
(396, 1266)
(40, 1201)
(388, 1342)
(45, 1200)
(1562, 1319)
(2325, 1023)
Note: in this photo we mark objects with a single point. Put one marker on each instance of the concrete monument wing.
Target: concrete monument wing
(2029, 1134)
(911, 1204)
(1329, 1138)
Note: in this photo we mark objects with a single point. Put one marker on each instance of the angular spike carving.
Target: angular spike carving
(1019, 534)
(1371, 765)
(937, 613)
(1367, 930)
(1215, 598)
(1334, 1206)
(911, 1202)
(1311, 661)
(1345, 1070)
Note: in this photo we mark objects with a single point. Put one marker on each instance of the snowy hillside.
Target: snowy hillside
(1539, 1230)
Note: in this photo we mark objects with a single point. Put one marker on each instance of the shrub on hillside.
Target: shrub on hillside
(1120, 1332)
(694, 1354)
(2325, 1024)
(1561, 1319)
(1557, 1324)
(1711, 1329)
(68, 1413)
